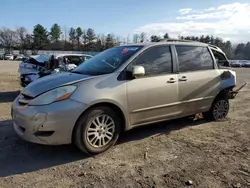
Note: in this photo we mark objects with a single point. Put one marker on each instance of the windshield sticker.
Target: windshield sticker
(125, 50)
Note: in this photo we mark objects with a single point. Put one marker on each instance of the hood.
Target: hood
(40, 58)
(47, 83)
(25, 68)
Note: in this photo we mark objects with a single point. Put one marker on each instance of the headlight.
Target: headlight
(54, 95)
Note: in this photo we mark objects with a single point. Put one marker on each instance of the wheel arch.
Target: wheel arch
(113, 106)
(224, 92)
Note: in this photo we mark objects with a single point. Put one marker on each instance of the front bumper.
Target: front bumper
(49, 124)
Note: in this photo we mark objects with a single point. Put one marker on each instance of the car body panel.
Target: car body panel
(103, 89)
(52, 81)
(152, 98)
(198, 91)
(60, 118)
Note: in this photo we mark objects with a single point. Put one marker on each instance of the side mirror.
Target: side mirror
(138, 71)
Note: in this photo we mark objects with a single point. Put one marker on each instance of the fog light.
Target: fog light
(40, 118)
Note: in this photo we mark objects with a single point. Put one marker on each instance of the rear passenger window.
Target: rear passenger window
(155, 60)
(194, 58)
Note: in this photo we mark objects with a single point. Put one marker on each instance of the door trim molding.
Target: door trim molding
(171, 104)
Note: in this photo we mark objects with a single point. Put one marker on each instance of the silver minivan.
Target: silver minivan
(122, 88)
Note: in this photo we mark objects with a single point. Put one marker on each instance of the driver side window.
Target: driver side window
(155, 60)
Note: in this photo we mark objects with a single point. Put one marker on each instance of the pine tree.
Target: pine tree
(55, 33)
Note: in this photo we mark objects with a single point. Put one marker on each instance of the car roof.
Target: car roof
(171, 41)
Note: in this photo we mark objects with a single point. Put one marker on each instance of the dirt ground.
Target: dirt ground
(180, 153)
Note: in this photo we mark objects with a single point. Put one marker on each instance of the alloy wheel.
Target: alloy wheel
(221, 109)
(100, 131)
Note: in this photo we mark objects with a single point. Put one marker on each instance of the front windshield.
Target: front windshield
(107, 61)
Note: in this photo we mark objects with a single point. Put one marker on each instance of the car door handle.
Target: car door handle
(171, 80)
(183, 78)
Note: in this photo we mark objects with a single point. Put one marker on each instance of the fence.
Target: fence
(47, 52)
(239, 61)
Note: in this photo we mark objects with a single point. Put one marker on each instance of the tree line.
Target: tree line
(55, 39)
(80, 39)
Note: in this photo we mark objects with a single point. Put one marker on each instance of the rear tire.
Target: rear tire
(97, 130)
(219, 109)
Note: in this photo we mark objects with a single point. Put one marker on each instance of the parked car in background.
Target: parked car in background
(42, 65)
(236, 64)
(32, 68)
(19, 57)
(74, 58)
(245, 63)
(8, 57)
(122, 88)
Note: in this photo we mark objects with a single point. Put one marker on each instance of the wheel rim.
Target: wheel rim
(220, 109)
(100, 131)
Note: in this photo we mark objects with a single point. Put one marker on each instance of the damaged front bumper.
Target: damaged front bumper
(49, 124)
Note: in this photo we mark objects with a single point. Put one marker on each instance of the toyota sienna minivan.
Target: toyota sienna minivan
(121, 88)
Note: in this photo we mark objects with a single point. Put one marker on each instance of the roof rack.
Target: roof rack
(177, 40)
(181, 40)
(211, 45)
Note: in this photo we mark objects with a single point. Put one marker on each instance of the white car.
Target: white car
(41, 65)
(19, 57)
(74, 58)
(9, 57)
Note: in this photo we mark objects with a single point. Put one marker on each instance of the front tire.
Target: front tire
(97, 130)
(218, 111)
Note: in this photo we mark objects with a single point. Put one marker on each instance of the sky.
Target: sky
(228, 19)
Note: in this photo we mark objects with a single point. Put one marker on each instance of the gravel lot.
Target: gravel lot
(169, 154)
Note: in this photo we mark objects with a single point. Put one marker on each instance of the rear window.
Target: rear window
(194, 58)
(220, 58)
